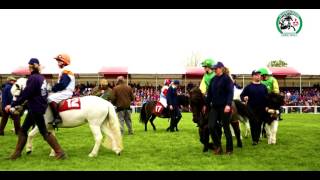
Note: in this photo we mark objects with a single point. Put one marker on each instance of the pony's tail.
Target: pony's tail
(244, 111)
(143, 114)
(111, 128)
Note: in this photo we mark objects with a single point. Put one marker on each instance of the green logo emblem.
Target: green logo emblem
(289, 23)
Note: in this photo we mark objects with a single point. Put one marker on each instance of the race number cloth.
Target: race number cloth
(69, 104)
(158, 109)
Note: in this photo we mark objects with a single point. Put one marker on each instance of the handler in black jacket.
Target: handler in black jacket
(255, 94)
(219, 99)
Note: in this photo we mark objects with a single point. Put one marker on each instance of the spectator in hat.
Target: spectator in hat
(6, 102)
(255, 95)
(219, 100)
(103, 90)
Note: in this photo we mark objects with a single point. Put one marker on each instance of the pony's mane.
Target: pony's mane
(196, 95)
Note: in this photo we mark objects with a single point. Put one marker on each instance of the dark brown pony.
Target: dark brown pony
(239, 112)
(147, 114)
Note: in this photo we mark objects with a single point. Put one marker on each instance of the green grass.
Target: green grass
(297, 148)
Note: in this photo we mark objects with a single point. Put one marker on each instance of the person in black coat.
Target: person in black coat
(173, 105)
(255, 95)
(219, 100)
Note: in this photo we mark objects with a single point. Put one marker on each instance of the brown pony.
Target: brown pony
(147, 112)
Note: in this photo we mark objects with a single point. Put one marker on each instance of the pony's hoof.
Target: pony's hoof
(118, 153)
(29, 152)
(92, 155)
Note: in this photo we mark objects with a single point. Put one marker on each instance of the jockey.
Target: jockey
(269, 81)
(209, 74)
(164, 90)
(64, 88)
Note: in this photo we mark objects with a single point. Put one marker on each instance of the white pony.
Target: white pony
(99, 113)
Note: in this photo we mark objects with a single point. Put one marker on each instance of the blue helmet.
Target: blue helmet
(176, 82)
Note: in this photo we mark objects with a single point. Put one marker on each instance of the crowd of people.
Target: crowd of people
(308, 97)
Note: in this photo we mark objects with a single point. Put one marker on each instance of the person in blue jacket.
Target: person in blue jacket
(6, 101)
(35, 93)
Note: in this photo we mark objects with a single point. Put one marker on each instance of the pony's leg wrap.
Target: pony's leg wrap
(274, 129)
(31, 135)
(268, 132)
(247, 131)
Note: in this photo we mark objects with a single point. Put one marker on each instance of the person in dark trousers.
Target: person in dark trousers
(6, 101)
(173, 106)
(219, 100)
(36, 95)
(121, 97)
(255, 95)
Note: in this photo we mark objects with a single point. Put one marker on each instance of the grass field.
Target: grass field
(297, 148)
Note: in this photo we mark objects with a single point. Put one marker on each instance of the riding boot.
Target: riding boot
(56, 117)
(52, 141)
(22, 140)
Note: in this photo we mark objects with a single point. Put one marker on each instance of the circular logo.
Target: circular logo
(289, 23)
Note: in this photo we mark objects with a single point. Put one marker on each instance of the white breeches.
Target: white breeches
(163, 101)
(59, 96)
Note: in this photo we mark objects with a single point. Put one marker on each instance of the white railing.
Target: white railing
(286, 109)
(301, 109)
(136, 109)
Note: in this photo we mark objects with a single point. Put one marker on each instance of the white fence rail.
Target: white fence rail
(136, 109)
(301, 109)
(286, 109)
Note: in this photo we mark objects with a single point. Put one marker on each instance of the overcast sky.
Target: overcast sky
(242, 39)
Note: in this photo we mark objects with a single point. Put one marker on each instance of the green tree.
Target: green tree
(277, 63)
